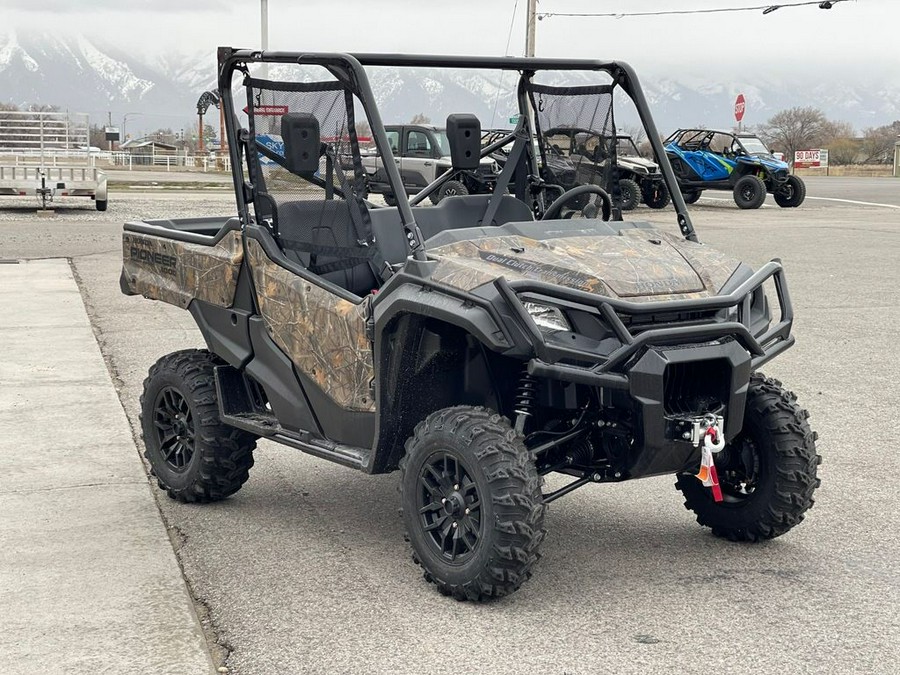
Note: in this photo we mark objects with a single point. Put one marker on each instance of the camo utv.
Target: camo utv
(475, 346)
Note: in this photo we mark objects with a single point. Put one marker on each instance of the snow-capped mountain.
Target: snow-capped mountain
(83, 74)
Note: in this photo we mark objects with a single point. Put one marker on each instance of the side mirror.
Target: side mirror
(464, 136)
(300, 133)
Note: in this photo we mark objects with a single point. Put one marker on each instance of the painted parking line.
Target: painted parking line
(853, 201)
(827, 199)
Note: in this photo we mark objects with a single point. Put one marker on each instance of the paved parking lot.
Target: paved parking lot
(306, 570)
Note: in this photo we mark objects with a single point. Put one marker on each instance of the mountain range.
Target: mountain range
(85, 75)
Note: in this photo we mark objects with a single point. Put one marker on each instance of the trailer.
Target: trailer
(48, 155)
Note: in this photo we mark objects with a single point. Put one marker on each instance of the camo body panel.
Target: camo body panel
(323, 335)
(641, 265)
(178, 272)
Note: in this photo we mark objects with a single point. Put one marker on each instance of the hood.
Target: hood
(637, 163)
(637, 264)
(767, 161)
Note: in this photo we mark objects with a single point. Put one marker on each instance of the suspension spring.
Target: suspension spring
(525, 400)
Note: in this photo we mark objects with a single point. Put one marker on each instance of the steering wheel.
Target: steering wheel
(589, 210)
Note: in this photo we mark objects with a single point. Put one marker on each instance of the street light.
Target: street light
(125, 122)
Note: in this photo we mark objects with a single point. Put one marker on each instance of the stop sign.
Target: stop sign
(739, 105)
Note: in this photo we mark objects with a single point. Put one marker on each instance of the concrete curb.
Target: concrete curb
(90, 583)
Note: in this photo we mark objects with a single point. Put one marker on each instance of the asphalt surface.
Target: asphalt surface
(306, 570)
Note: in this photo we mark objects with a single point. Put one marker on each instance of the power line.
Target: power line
(766, 9)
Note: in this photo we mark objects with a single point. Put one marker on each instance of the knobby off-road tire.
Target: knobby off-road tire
(194, 456)
(631, 194)
(467, 466)
(656, 196)
(792, 194)
(767, 473)
(691, 196)
(749, 192)
(389, 199)
(452, 188)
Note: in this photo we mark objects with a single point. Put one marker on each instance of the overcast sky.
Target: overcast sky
(861, 37)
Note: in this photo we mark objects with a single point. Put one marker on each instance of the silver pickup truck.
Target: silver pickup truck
(47, 155)
(422, 153)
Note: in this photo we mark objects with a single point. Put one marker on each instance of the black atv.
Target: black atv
(475, 346)
(639, 179)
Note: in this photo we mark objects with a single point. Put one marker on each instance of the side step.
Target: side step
(234, 403)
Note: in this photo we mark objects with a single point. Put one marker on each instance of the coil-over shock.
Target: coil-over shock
(525, 395)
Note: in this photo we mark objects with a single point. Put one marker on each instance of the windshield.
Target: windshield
(625, 147)
(443, 142)
(754, 146)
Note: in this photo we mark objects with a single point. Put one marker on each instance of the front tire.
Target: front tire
(631, 194)
(792, 193)
(749, 192)
(767, 473)
(452, 188)
(194, 456)
(101, 204)
(472, 504)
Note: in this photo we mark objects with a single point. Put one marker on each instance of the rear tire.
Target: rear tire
(691, 196)
(471, 503)
(656, 196)
(767, 473)
(749, 192)
(792, 193)
(101, 204)
(631, 194)
(389, 199)
(194, 456)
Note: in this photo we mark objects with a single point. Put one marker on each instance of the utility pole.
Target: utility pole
(264, 33)
(529, 27)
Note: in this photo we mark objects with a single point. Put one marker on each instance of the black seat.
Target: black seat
(451, 213)
(325, 227)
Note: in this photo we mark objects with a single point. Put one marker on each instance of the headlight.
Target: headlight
(549, 319)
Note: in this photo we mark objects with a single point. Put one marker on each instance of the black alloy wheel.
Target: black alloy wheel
(449, 507)
(174, 428)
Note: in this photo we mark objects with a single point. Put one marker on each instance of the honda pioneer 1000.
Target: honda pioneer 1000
(476, 345)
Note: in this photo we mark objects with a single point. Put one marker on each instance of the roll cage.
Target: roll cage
(349, 71)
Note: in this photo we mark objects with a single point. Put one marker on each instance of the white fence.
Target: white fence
(170, 162)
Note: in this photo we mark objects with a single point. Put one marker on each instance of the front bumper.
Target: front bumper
(733, 331)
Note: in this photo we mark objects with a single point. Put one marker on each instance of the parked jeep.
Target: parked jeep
(423, 154)
(474, 346)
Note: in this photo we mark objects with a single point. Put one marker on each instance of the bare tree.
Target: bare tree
(794, 129)
(835, 131)
(97, 136)
(420, 118)
(843, 151)
(878, 143)
(636, 131)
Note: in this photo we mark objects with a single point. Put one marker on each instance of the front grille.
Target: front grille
(638, 322)
(696, 387)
